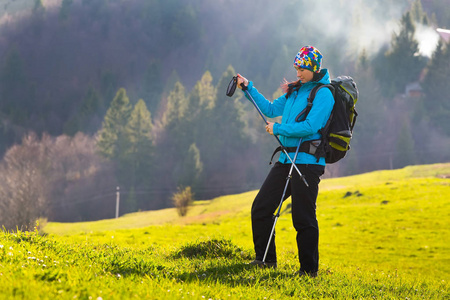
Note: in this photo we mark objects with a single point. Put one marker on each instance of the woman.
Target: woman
(293, 127)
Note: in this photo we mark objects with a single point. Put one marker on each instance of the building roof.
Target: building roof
(444, 34)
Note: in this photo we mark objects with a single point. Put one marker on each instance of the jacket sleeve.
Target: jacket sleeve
(270, 109)
(316, 119)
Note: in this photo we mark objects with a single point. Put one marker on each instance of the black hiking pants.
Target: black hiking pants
(303, 212)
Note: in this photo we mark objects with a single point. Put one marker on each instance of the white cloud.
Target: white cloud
(428, 39)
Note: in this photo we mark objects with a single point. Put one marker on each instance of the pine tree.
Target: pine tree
(65, 9)
(38, 8)
(224, 137)
(176, 106)
(404, 63)
(171, 82)
(191, 169)
(152, 86)
(108, 85)
(112, 140)
(206, 91)
(418, 14)
(87, 118)
(185, 121)
(174, 118)
(228, 122)
(139, 131)
(201, 102)
(371, 125)
(174, 139)
(436, 88)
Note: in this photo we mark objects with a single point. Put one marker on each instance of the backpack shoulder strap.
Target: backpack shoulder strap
(312, 94)
(315, 89)
(324, 130)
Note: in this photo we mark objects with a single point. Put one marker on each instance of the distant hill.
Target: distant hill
(381, 183)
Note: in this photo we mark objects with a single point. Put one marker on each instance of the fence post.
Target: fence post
(117, 201)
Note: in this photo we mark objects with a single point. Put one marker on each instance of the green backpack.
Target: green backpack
(337, 133)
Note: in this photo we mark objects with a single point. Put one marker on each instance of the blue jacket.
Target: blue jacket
(290, 131)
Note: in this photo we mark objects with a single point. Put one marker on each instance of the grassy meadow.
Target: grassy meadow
(383, 235)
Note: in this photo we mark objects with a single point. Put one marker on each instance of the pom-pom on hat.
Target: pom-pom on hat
(308, 58)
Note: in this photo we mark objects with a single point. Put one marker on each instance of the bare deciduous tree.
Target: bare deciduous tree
(24, 184)
(82, 181)
(60, 178)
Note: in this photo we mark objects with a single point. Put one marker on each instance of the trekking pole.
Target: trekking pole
(278, 140)
(281, 203)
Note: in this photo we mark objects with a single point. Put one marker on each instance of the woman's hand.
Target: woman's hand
(269, 127)
(241, 79)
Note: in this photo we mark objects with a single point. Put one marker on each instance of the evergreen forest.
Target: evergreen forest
(101, 97)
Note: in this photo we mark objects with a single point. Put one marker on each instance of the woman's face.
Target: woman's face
(304, 75)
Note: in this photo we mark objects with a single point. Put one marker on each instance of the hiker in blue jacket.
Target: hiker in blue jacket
(291, 129)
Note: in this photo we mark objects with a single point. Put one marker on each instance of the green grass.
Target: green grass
(383, 235)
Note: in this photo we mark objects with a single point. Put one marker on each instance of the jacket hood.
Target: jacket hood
(325, 78)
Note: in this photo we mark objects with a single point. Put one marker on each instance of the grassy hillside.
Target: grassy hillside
(383, 235)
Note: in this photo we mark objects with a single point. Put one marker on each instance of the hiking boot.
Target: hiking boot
(309, 274)
(267, 264)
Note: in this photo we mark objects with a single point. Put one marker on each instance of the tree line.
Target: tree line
(152, 131)
(74, 177)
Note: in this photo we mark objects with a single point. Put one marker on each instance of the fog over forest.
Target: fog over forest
(100, 94)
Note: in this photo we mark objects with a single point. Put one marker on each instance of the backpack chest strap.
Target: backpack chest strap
(309, 147)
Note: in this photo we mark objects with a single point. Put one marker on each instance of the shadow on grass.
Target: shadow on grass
(219, 260)
(121, 268)
(211, 260)
(236, 274)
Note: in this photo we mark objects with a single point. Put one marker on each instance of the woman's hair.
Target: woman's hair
(290, 87)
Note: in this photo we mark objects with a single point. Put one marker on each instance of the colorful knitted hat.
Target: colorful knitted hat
(308, 58)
